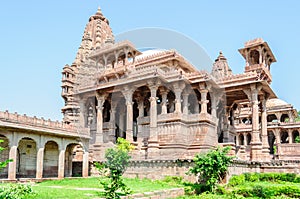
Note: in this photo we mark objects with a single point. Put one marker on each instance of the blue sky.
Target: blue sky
(38, 38)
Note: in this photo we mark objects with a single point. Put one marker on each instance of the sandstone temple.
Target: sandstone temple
(161, 103)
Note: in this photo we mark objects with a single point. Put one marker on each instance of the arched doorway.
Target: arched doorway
(284, 137)
(27, 154)
(73, 160)
(50, 164)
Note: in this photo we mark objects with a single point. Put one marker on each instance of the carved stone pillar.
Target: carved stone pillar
(214, 104)
(291, 117)
(39, 162)
(153, 107)
(61, 163)
(164, 95)
(177, 100)
(112, 121)
(185, 103)
(129, 122)
(290, 133)
(256, 144)
(99, 132)
(277, 140)
(12, 166)
(121, 123)
(85, 164)
(226, 137)
(204, 100)
(264, 130)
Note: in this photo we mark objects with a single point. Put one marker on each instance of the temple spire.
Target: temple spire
(220, 67)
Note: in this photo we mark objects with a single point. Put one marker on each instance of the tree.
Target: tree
(117, 160)
(4, 164)
(211, 167)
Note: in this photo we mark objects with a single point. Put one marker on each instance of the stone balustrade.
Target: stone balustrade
(200, 117)
(34, 121)
(143, 120)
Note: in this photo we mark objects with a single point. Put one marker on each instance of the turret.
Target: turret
(259, 58)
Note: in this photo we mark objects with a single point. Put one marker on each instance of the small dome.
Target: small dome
(276, 102)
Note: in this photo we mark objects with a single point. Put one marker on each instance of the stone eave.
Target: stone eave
(41, 130)
(114, 47)
(130, 81)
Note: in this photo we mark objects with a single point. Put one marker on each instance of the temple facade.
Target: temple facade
(157, 100)
(170, 110)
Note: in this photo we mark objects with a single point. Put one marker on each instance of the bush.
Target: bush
(174, 180)
(211, 168)
(271, 177)
(236, 180)
(251, 177)
(15, 191)
(117, 160)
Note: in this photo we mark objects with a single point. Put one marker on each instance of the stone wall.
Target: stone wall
(160, 169)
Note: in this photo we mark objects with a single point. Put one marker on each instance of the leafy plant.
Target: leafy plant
(4, 163)
(16, 191)
(211, 168)
(297, 139)
(117, 160)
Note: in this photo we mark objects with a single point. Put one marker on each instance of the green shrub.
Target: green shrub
(15, 191)
(117, 160)
(252, 177)
(174, 180)
(211, 168)
(236, 180)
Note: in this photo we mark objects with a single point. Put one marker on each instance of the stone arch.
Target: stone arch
(284, 137)
(4, 155)
(295, 136)
(272, 118)
(73, 159)
(271, 141)
(26, 158)
(284, 118)
(50, 161)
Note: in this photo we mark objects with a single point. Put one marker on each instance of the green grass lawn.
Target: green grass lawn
(90, 187)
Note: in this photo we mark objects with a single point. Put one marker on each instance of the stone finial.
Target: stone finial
(99, 12)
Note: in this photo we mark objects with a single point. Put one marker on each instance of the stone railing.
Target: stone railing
(34, 121)
(202, 117)
(143, 120)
